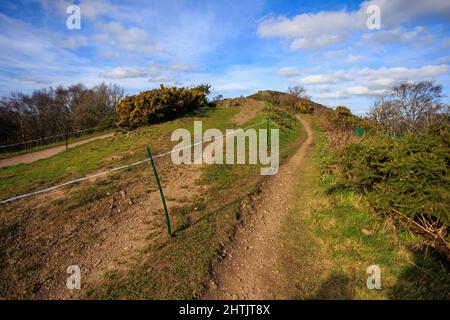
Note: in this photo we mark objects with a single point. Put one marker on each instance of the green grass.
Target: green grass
(101, 155)
(333, 235)
(5, 155)
(179, 268)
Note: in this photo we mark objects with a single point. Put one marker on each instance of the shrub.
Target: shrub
(160, 105)
(303, 107)
(407, 176)
(343, 111)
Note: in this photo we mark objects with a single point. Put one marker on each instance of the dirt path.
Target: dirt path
(249, 270)
(252, 107)
(47, 153)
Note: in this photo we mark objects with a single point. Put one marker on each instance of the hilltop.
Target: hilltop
(285, 100)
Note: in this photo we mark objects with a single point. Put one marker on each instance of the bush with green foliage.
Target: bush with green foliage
(341, 117)
(408, 176)
(304, 107)
(159, 105)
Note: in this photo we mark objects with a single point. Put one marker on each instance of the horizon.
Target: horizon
(239, 48)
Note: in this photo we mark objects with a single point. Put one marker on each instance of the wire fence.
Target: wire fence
(104, 173)
(39, 142)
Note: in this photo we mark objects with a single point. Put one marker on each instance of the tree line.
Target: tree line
(55, 111)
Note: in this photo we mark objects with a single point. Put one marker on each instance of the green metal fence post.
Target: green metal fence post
(160, 191)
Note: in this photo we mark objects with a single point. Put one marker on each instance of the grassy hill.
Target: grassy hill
(113, 227)
(285, 100)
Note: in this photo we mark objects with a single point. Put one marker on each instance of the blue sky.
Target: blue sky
(239, 47)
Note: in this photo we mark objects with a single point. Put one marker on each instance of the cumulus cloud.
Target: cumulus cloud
(369, 82)
(74, 42)
(319, 42)
(181, 67)
(349, 92)
(127, 38)
(419, 36)
(122, 73)
(90, 9)
(327, 28)
(153, 70)
(289, 72)
(160, 79)
(325, 78)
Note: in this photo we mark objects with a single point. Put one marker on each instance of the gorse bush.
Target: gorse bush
(342, 118)
(407, 176)
(303, 107)
(159, 105)
(284, 119)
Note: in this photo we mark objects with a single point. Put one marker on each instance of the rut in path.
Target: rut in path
(249, 270)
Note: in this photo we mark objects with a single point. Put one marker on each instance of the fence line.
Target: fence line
(14, 198)
(49, 137)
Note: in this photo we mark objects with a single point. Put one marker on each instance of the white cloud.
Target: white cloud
(369, 82)
(289, 72)
(325, 78)
(122, 73)
(316, 43)
(318, 79)
(181, 67)
(95, 8)
(402, 73)
(308, 25)
(153, 70)
(74, 42)
(419, 36)
(160, 79)
(327, 28)
(127, 38)
(351, 92)
(351, 58)
(90, 9)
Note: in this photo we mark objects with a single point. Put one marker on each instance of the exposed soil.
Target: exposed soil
(40, 239)
(249, 269)
(47, 153)
(252, 107)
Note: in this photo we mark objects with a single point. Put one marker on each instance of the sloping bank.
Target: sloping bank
(332, 237)
(180, 267)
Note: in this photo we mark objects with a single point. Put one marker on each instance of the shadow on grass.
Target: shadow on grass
(427, 278)
(338, 286)
(338, 188)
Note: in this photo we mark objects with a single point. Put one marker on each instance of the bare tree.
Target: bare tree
(409, 106)
(385, 114)
(52, 111)
(299, 92)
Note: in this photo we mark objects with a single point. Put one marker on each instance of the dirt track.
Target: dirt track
(248, 272)
(47, 153)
